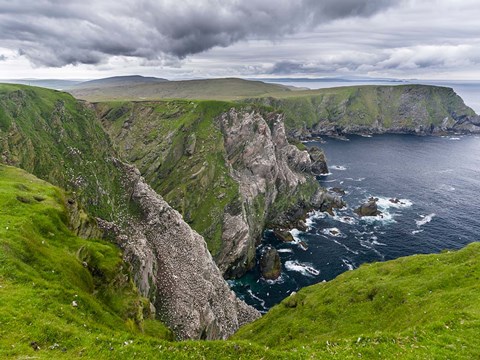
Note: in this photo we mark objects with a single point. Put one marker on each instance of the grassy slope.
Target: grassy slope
(52, 135)
(403, 105)
(41, 274)
(418, 307)
(423, 306)
(198, 185)
(212, 89)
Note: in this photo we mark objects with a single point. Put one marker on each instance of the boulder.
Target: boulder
(368, 209)
(319, 164)
(283, 235)
(270, 265)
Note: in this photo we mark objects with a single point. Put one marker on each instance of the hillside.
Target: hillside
(370, 109)
(417, 307)
(226, 167)
(211, 89)
(59, 139)
(117, 81)
(65, 297)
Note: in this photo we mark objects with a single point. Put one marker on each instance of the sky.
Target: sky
(181, 39)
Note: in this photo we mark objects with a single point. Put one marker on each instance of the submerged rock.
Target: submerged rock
(270, 265)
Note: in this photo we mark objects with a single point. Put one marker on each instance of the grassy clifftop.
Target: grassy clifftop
(65, 297)
(369, 108)
(211, 89)
(423, 306)
(52, 135)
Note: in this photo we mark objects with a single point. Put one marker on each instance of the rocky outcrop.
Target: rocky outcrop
(270, 265)
(404, 109)
(368, 209)
(267, 169)
(174, 269)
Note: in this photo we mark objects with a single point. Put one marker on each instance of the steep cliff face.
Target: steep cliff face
(175, 270)
(268, 170)
(57, 138)
(416, 109)
(221, 165)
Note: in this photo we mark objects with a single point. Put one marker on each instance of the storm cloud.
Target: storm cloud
(56, 33)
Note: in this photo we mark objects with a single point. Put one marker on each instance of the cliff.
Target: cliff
(227, 168)
(59, 139)
(411, 109)
(65, 297)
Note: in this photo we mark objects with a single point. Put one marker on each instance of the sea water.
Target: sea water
(436, 181)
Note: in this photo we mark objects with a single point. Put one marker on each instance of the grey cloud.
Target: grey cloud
(56, 33)
(398, 60)
(3, 57)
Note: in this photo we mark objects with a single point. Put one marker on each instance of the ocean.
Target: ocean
(436, 181)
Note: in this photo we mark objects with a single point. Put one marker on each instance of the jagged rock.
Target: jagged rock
(264, 165)
(338, 190)
(368, 209)
(172, 266)
(283, 235)
(270, 265)
(319, 163)
(190, 146)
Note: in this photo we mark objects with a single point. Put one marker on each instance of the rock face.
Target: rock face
(267, 168)
(270, 265)
(405, 109)
(228, 173)
(368, 209)
(173, 268)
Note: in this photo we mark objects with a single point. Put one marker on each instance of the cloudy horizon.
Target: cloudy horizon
(433, 39)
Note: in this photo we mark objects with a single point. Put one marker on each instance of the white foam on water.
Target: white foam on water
(454, 138)
(384, 218)
(313, 215)
(260, 300)
(385, 203)
(337, 167)
(305, 269)
(348, 264)
(414, 232)
(425, 219)
(345, 219)
(285, 250)
(344, 246)
(296, 235)
(279, 280)
(329, 181)
(335, 232)
(326, 174)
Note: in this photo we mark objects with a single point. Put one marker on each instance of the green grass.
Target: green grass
(44, 268)
(423, 306)
(198, 185)
(207, 89)
(408, 106)
(52, 135)
(418, 307)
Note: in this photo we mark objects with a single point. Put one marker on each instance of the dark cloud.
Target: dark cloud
(56, 33)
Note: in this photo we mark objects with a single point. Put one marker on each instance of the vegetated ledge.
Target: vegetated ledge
(227, 168)
(374, 109)
(59, 139)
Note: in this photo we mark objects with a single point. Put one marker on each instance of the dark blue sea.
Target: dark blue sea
(437, 183)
